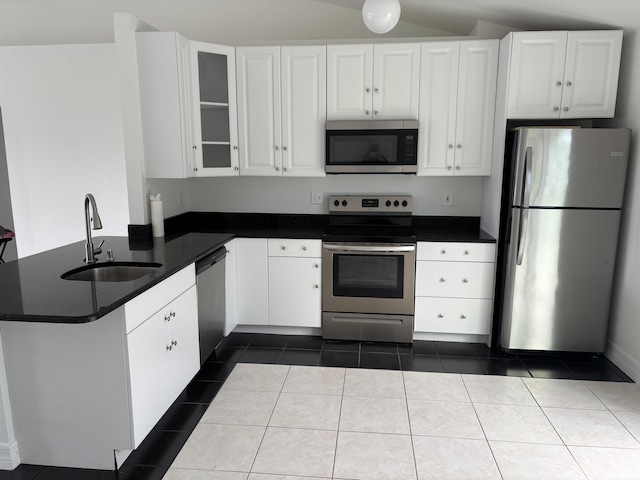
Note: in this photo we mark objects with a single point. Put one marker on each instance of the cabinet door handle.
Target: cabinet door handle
(283, 247)
(449, 167)
(285, 169)
(172, 314)
(169, 348)
(235, 147)
(442, 280)
(443, 252)
(375, 112)
(277, 169)
(466, 252)
(555, 109)
(235, 168)
(464, 280)
(458, 167)
(558, 83)
(569, 83)
(367, 89)
(463, 316)
(367, 113)
(174, 342)
(284, 148)
(316, 286)
(440, 315)
(566, 109)
(459, 145)
(195, 147)
(377, 90)
(304, 248)
(315, 265)
(277, 148)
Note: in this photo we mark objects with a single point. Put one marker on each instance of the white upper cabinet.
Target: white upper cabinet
(457, 107)
(562, 74)
(164, 73)
(215, 119)
(373, 81)
(282, 110)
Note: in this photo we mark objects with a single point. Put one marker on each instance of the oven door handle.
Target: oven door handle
(370, 248)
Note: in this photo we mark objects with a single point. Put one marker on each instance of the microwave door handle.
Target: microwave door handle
(370, 248)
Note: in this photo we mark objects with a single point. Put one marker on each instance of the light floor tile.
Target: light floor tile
(256, 377)
(454, 459)
(220, 447)
(262, 476)
(444, 419)
(302, 410)
(374, 456)
(185, 474)
(239, 407)
(617, 396)
(373, 383)
(322, 381)
(590, 428)
(290, 451)
(435, 386)
(631, 421)
(530, 461)
(516, 423)
(608, 463)
(550, 392)
(374, 415)
(496, 389)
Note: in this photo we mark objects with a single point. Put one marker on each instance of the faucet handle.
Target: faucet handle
(98, 249)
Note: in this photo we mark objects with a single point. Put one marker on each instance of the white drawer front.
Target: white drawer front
(287, 247)
(147, 303)
(448, 315)
(456, 251)
(454, 279)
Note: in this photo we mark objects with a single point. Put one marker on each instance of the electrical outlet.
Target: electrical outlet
(447, 199)
(317, 198)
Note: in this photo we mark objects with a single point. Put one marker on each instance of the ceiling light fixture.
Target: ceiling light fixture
(380, 16)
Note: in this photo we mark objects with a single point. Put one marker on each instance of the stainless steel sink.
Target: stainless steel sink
(111, 272)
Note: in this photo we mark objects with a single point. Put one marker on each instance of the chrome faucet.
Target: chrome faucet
(90, 251)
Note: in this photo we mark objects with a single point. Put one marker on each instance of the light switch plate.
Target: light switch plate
(317, 198)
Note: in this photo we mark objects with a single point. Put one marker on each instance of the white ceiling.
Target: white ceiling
(238, 22)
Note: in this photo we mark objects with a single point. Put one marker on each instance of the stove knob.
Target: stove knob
(336, 203)
(388, 203)
(396, 203)
(344, 203)
(404, 203)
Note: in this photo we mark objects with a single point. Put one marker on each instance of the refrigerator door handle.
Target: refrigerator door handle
(522, 234)
(526, 196)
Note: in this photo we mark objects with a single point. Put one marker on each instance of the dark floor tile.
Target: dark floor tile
(341, 346)
(547, 369)
(182, 416)
(228, 354)
(299, 357)
(59, 473)
(482, 351)
(109, 475)
(505, 366)
(339, 359)
(423, 347)
(137, 472)
(590, 371)
(387, 361)
(462, 365)
(237, 339)
(455, 349)
(159, 448)
(268, 341)
(405, 348)
(261, 355)
(420, 363)
(22, 472)
(621, 374)
(304, 342)
(199, 392)
(379, 347)
(214, 371)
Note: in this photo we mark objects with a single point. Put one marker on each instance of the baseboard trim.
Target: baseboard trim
(9, 455)
(623, 360)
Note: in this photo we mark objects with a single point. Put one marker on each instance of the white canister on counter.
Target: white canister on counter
(157, 217)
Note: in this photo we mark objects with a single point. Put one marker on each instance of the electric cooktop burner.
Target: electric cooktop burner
(370, 219)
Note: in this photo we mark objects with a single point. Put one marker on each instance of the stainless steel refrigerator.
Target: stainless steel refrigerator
(564, 200)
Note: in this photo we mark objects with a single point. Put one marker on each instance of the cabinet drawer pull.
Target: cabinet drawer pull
(316, 286)
(466, 252)
(464, 280)
(304, 249)
(315, 265)
(442, 280)
(283, 247)
(174, 342)
(440, 315)
(443, 252)
(169, 348)
(463, 316)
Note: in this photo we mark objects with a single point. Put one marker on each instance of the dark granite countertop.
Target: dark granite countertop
(31, 288)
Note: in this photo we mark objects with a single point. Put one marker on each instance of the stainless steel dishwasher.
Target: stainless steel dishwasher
(210, 278)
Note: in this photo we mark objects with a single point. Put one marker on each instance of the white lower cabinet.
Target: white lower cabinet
(454, 287)
(294, 282)
(278, 282)
(80, 392)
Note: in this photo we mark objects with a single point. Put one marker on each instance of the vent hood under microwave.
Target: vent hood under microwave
(372, 146)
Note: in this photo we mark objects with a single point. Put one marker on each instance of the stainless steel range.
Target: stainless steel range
(368, 265)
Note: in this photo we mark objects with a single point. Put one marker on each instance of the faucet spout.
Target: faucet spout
(90, 251)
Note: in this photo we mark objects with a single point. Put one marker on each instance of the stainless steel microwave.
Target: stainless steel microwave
(373, 146)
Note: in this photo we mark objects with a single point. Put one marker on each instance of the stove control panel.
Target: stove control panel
(377, 204)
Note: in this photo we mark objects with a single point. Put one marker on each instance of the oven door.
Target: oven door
(368, 278)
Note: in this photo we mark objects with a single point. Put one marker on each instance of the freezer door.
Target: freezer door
(571, 167)
(557, 298)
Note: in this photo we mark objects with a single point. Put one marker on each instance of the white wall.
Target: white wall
(624, 330)
(293, 195)
(63, 138)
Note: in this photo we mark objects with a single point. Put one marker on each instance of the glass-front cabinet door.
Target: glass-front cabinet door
(215, 129)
